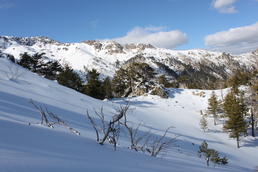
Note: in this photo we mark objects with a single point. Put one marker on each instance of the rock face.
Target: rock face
(147, 88)
(116, 48)
(159, 91)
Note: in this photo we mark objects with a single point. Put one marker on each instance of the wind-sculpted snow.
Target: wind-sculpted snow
(27, 145)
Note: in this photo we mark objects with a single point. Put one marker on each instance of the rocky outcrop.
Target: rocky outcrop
(159, 91)
(29, 41)
(147, 88)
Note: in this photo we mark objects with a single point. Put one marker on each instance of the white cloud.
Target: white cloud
(6, 5)
(240, 40)
(156, 36)
(224, 6)
(94, 23)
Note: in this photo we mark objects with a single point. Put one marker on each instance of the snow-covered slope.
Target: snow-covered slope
(107, 57)
(35, 147)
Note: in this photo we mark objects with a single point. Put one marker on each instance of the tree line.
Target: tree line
(238, 108)
(124, 80)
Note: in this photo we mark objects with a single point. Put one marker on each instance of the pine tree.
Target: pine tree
(206, 152)
(203, 124)
(211, 155)
(235, 110)
(239, 78)
(213, 106)
(94, 85)
(119, 82)
(37, 63)
(51, 70)
(33, 63)
(70, 79)
(144, 71)
(107, 88)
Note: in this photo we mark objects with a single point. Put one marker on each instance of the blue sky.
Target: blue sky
(218, 25)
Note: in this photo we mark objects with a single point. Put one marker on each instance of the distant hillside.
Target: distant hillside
(198, 66)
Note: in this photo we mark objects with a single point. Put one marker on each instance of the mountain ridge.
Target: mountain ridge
(108, 57)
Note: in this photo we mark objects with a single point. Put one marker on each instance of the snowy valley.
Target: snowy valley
(27, 145)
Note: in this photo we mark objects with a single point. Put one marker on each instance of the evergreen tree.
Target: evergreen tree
(213, 106)
(144, 71)
(33, 63)
(132, 76)
(70, 79)
(204, 151)
(235, 110)
(211, 155)
(239, 78)
(94, 86)
(37, 63)
(119, 82)
(25, 60)
(203, 124)
(51, 70)
(164, 81)
(253, 101)
(107, 88)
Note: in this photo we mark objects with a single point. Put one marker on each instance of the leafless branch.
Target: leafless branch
(133, 134)
(159, 145)
(14, 72)
(53, 116)
(111, 129)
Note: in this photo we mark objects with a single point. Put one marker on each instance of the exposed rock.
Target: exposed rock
(143, 46)
(114, 47)
(97, 45)
(159, 91)
(129, 46)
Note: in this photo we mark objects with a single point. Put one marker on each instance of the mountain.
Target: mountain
(28, 145)
(197, 65)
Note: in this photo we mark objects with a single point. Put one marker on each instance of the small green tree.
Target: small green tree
(119, 82)
(211, 155)
(239, 78)
(70, 79)
(213, 106)
(235, 110)
(204, 151)
(51, 70)
(107, 88)
(94, 86)
(203, 124)
(34, 63)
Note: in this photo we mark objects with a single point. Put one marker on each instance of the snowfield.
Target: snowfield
(27, 145)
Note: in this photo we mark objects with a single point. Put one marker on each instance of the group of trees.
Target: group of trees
(39, 64)
(240, 110)
(122, 84)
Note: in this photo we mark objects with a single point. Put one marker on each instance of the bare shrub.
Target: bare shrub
(111, 129)
(160, 145)
(57, 120)
(14, 72)
(133, 132)
(145, 142)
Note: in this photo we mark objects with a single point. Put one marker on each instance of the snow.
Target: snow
(78, 55)
(27, 145)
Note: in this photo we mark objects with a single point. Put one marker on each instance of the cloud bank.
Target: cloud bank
(156, 36)
(224, 6)
(239, 40)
